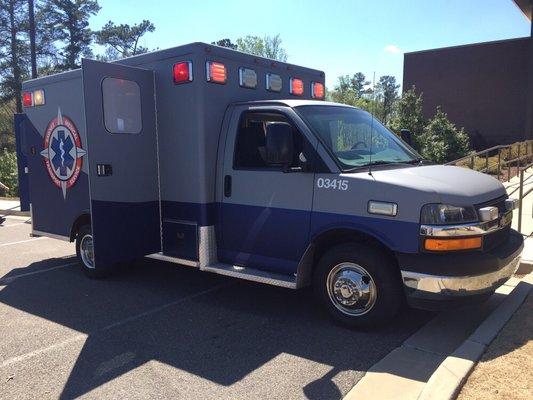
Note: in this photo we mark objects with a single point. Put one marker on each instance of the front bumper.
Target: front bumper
(460, 277)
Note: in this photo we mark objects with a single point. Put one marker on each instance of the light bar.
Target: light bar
(317, 90)
(274, 82)
(216, 72)
(296, 87)
(27, 99)
(182, 72)
(38, 97)
(247, 78)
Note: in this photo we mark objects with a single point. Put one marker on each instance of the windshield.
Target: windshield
(347, 133)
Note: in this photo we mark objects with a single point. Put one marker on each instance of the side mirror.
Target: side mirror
(279, 144)
(406, 136)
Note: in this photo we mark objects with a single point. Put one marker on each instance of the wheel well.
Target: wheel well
(326, 241)
(83, 219)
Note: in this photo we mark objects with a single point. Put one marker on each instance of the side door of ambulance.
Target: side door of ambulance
(122, 153)
(265, 212)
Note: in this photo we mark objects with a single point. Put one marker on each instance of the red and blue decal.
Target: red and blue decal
(63, 152)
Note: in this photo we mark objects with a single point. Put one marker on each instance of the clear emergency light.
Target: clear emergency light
(317, 90)
(216, 72)
(31, 99)
(274, 82)
(247, 78)
(296, 87)
(182, 72)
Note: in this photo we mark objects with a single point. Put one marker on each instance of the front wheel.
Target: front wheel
(85, 254)
(358, 284)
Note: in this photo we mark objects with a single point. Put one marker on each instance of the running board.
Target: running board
(255, 275)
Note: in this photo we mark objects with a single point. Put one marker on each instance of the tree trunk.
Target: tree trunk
(14, 57)
(32, 39)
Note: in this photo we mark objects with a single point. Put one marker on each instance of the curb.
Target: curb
(450, 376)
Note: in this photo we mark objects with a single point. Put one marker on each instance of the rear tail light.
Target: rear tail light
(317, 90)
(216, 72)
(27, 99)
(296, 87)
(182, 72)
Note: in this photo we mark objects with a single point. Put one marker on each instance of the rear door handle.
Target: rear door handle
(227, 186)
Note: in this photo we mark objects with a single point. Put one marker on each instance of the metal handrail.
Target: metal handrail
(518, 161)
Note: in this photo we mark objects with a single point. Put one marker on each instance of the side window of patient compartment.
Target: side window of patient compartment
(122, 106)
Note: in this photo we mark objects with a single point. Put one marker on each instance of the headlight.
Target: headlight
(444, 214)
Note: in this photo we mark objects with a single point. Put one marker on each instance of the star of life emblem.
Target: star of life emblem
(63, 152)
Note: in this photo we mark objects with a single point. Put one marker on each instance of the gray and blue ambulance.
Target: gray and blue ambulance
(234, 164)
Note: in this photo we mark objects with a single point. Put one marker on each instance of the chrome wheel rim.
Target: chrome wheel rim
(87, 251)
(351, 289)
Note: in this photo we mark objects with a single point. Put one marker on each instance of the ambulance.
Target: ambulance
(234, 164)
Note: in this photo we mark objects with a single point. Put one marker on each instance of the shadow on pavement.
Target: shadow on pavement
(154, 312)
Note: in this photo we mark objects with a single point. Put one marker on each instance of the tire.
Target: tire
(85, 260)
(364, 284)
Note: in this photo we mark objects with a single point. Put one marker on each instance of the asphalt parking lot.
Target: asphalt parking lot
(159, 330)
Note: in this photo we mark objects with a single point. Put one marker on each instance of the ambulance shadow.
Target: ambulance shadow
(214, 327)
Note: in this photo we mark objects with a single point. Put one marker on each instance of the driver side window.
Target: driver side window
(250, 151)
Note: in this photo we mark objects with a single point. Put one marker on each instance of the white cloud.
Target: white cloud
(392, 49)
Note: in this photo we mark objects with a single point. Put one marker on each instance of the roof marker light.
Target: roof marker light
(27, 99)
(296, 87)
(247, 78)
(38, 97)
(274, 82)
(317, 90)
(216, 72)
(182, 72)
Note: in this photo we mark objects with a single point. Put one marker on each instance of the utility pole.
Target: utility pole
(32, 39)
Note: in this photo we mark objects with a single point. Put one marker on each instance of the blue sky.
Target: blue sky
(336, 36)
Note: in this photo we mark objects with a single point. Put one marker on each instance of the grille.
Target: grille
(499, 202)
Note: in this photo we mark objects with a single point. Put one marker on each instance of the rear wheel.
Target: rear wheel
(85, 254)
(358, 284)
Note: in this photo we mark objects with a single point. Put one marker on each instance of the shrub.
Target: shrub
(8, 171)
(409, 116)
(441, 141)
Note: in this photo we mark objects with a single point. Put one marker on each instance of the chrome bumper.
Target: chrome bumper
(427, 286)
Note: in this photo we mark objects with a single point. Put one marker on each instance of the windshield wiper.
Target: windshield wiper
(380, 162)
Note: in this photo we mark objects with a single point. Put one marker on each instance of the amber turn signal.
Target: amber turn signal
(453, 244)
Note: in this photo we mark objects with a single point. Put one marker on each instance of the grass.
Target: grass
(505, 372)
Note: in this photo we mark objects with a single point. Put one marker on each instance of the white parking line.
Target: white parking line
(9, 279)
(37, 352)
(23, 241)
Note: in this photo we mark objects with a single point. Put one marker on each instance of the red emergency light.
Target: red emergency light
(182, 72)
(27, 99)
(216, 72)
(296, 87)
(317, 90)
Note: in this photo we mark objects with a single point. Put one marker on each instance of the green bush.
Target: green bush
(441, 141)
(8, 172)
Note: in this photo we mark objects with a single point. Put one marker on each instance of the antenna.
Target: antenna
(372, 121)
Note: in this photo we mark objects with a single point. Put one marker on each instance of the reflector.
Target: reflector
(273, 82)
(182, 72)
(216, 72)
(27, 99)
(247, 78)
(317, 90)
(296, 87)
(38, 97)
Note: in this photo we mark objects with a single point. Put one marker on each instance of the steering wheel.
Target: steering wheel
(358, 144)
